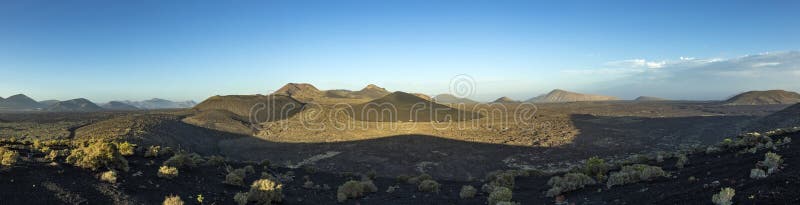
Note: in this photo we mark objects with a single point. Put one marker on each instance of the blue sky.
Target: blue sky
(181, 50)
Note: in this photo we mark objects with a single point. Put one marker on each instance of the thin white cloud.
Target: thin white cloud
(709, 78)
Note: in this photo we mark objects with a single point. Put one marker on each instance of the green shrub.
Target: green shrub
(467, 192)
(634, 173)
(772, 162)
(97, 155)
(354, 189)
(757, 174)
(596, 167)
(215, 161)
(500, 194)
(167, 172)
(235, 177)
(109, 176)
(173, 200)
(240, 198)
(682, 161)
(429, 186)
(152, 151)
(52, 155)
(569, 182)
(8, 157)
(265, 191)
(249, 169)
(724, 197)
(183, 159)
(126, 148)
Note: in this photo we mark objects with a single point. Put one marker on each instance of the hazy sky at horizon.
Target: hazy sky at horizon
(189, 50)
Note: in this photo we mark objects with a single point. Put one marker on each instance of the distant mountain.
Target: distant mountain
(20, 102)
(769, 97)
(649, 98)
(48, 102)
(451, 99)
(371, 91)
(559, 95)
(300, 91)
(157, 103)
(505, 100)
(117, 105)
(74, 105)
(401, 106)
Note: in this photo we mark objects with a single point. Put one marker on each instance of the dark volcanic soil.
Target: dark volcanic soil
(35, 181)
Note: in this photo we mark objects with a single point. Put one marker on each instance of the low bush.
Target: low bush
(757, 174)
(109, 176)
(97, 155)
(634, 173)
(500, 194)
(596, 167)
(569, 182)
(235, 177)
(724, 197)
(172, 200)
(429, 185)
(152, 151)
(467, 192)
(8, 157)
(183, 159)
(265, 191)
(240, 198)
(772, 162)
(126, 148)
(215, 161)
(167, 172)
(682, 161)
(354, 189)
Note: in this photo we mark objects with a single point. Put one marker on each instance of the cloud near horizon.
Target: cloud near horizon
(699, 79)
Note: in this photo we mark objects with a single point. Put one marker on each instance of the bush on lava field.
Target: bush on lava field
(467, 192)
(265, 191)
(597, 167)
(569, 182)
(167, 172)
(634, 173)
(96, 155)
(183, 159)
(8, 157)
(500, 194)
(429, 186)
(354, 189)
(724, 197)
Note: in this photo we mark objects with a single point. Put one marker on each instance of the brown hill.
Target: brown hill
(398, 107)
(559, 95)
(222, 120)
(300, 91)
(451, 99)
(371, 91)
(262, 108)
(769, 97)
(74, 105)
(423, 96)
(505, 100)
